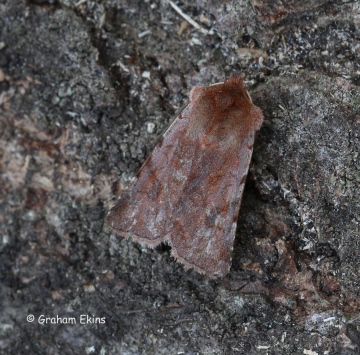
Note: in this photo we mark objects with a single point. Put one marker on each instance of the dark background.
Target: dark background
(86, 87)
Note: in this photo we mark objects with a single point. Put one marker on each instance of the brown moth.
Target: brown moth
(188, 192)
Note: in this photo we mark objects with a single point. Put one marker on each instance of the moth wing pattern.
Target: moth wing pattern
(188, 192)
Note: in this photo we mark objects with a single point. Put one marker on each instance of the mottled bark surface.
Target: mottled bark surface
(85, 89)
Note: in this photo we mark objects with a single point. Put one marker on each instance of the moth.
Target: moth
(188, 191)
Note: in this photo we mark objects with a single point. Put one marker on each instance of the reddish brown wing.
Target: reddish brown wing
(189, 190)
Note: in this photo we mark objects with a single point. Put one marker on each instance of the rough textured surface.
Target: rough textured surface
(86, 87)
